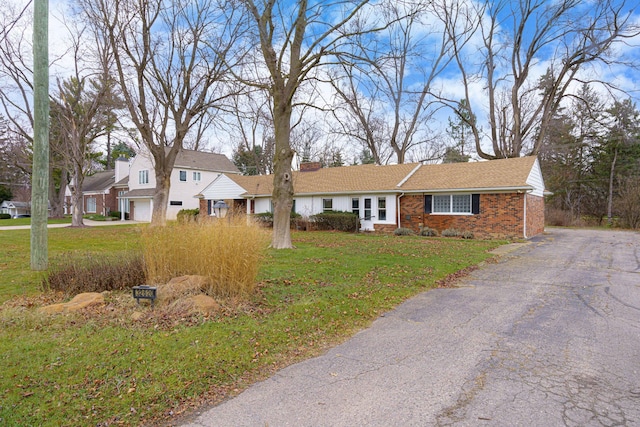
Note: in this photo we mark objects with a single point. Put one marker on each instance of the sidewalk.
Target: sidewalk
(87, 222)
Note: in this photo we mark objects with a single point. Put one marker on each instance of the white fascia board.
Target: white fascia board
(473, 190)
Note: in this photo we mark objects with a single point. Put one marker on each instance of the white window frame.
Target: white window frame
(355, 205)
(439, 201)
(197, 176)
(92, 202)
(327, 205)
(182, 174)
(382, 208)
(143, 176)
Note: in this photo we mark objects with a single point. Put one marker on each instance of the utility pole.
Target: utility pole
(40, 173)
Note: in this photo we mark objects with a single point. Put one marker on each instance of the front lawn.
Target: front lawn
(100, 367)
(27, 221)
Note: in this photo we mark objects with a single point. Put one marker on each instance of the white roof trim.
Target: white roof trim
(406, 178)
(474, 190)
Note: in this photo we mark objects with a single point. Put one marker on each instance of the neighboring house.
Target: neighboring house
(498, 198)
(15, 208)
(191, 172)
(101, 191)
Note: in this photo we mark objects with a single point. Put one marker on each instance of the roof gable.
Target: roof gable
(99, 181)
(13, 204)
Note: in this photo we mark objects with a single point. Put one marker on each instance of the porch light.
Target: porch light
(220, 208)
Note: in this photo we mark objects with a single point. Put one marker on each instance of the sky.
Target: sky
(625, 77)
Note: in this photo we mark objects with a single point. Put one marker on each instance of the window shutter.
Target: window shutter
(427, 204)
(475, 204)
(208, 207)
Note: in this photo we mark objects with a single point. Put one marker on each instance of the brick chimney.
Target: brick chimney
(310, 166)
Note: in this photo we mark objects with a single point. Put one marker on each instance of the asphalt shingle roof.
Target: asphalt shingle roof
(99, 181)
(503, 173)
(205, 161)
(494, 174)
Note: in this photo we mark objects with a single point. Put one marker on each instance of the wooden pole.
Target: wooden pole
(40, 173)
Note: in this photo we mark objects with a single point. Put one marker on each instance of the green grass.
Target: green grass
(86, 369)
(27, 221)
(16, 277)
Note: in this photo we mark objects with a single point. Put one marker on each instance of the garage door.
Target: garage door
(142, 210)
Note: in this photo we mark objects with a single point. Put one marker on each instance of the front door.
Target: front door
(366, 218)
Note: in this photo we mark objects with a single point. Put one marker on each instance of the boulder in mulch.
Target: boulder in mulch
(78, 302)
(180, 287)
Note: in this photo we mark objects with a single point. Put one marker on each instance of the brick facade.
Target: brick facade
(501, 216)
(535, 215)
(105, 203)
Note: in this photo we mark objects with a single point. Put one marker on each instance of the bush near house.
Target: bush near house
(187, 215)
(428, 232)
(403, 231)
(335, 220)
(5, 216)
(118, 215)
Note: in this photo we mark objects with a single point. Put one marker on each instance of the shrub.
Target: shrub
(5, 216)
(450, 232)
(265, 219)
(335, 220)
(402, 231)
(74, 274)
(187, 215)
(118, 215)
(466, 235)
(95, 217)
(628, 201)
(228, 253)
(427, 231)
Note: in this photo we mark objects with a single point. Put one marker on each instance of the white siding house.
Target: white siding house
(499, 198)
(191, 172)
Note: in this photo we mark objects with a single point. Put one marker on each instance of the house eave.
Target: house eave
(524, 188)
(333, 193)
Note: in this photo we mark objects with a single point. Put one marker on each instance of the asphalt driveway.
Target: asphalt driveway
(547, 336)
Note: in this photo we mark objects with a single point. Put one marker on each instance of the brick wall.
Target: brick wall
(501, 216)
(535, 215)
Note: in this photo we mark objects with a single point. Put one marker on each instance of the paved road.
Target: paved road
(548, 336)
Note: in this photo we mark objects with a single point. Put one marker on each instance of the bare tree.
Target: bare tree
(169, 57)
(565, 37)
(293, 41)
(384, 85)
(249, 124)
(16, 97)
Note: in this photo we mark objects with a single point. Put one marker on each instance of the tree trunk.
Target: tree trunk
(610, 197)
(160, 199)
(76, 198)
(282, 179)
(57, 196)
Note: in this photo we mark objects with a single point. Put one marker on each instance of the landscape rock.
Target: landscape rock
(204, 303)
(180, 287)
(78, 302)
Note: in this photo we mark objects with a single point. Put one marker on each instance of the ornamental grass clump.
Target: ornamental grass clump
(74, 273)
(228, 251)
